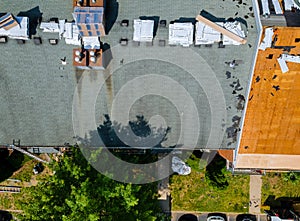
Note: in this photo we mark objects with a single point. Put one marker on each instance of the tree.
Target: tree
(216, 172)
(78, 192)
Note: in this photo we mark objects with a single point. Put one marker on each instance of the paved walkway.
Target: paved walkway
(255, 194)
(163, 188)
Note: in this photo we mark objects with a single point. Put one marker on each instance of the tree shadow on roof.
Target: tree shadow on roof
(114, 136)
(34, 16)
(111, 14)
(143, 133)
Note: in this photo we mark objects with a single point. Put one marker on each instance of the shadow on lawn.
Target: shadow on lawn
(9, 164)
(281, 202)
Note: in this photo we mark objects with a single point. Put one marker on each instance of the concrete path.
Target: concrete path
(255, 194)
(163, 187)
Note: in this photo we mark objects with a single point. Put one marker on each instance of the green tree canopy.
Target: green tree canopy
(216, 173)
(76, 192)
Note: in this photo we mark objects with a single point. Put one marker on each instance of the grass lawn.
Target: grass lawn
(192, 192)
(275, 186)
(20, 168)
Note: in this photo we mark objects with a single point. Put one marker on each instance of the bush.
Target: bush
(292, 177)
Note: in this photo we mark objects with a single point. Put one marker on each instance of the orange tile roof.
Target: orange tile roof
(272, 120)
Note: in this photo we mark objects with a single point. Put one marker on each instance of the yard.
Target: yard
(18, 168)
(193, 193)
(276, 185)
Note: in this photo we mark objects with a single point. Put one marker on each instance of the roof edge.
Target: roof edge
(259, 30)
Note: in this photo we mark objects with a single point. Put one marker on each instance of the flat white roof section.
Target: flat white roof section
(181, 34)
(267, 41)
(277, 7)
(265, 7)
(19, 31)
(143, 30)
(268, 161)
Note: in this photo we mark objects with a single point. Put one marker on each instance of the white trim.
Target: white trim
(259, 30)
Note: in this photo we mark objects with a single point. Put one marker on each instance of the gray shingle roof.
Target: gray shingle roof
(37, 91)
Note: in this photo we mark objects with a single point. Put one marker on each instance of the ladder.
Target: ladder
(28, 154)
(10, 189)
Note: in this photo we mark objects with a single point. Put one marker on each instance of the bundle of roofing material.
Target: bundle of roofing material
(143, 30)
(181, 34)
(289, 4)
(265, 7)
(7, 21)
(232, 33)
(287, 58)
(71, 34)
(49, 27)
(91, 42)
(236, 28)
(267, 41)
(61, 27)
(206, 34)
(14, 27)
(277, 7)
(89, 20)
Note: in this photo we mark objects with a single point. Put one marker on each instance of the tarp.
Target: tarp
(178, 166)
(181, 34)
(19, 31)
(89, 20)
(7, 21)
(143, 30)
